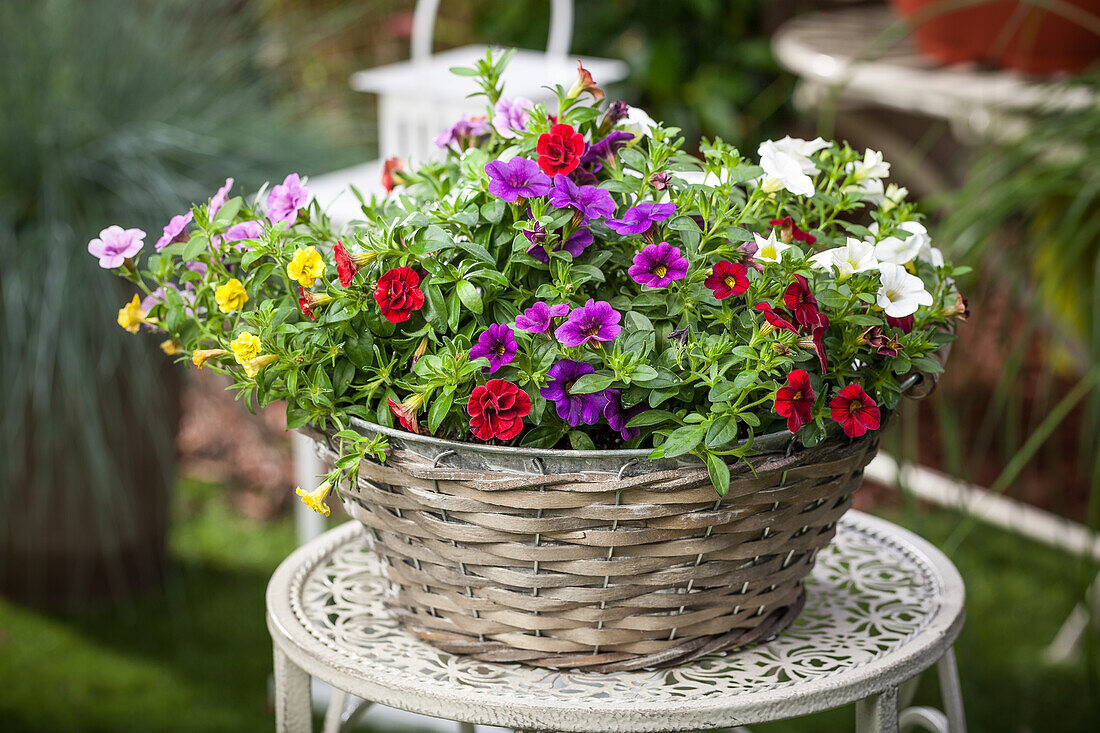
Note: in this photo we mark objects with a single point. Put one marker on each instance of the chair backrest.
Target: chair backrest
(557, 43)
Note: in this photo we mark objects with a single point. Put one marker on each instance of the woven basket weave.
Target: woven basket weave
(600, 570)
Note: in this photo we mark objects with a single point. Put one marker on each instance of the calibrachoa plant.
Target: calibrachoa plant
(563, 276)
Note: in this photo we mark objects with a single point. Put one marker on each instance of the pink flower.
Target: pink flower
(593, 322)
(540, 317)
(246, 230)
(286, 199)
(511, 116)
(115, 245)
(219, 199)
(176, 231)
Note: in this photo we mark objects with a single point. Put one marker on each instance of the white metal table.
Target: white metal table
(883, 605)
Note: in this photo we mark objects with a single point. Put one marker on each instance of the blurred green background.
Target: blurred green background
(134, 594)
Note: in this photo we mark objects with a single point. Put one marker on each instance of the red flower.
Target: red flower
(727, 278)
(800, 299)
(305, 302)
(389, 168)
(788, 232)
(905, 324)
(815, 343)
(584, 83)
(796, 400)
(345, 268)
(877, 339)
(855, 411)
(775, 319)
(560, 150)
(398, 294)
(405, 414)
(497, 409)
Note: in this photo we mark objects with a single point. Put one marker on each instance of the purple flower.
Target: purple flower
(657, 265)
(617, 417)
(219, 199)
(593, 322)
(517, 178)
(157, 296)
(539, 317)
(196, 266)
(463, 132)
(176, 231)
(617, 111)
(286, 199)
(574, 409)
(497, 344)
(242, 231)
(535, 233)
(588, 201)
(638, 219)
(511, 116)
(115, 245)
(605, 149)
(575, 245)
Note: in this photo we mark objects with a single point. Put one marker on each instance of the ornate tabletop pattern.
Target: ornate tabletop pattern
(872, 593)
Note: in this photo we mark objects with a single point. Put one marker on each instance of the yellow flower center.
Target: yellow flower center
(660, 270)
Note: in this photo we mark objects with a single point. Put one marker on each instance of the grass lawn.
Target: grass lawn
(197, 656)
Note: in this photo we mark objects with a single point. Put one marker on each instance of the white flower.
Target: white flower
(901, 293)
(788, 162)
(637, 122)
(855, 256)
(770, 249)
(910, 238)
(895, 194)
(872, 166)
(871, 189)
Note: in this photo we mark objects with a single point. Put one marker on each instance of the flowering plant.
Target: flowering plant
(563, 276)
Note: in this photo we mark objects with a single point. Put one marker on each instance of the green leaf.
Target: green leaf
(928, 365)
(722, 392)
(590, 383)
(721, 431)
(683, 440)
(719, 473)
(469, 296)
(295, 417)
(477, 251)
(651, 417)
(195, 247)
(360, 349)
(439, 409)
(342, 376)
(580, 441)
(435, 308)
(493, 211)
(228, 212)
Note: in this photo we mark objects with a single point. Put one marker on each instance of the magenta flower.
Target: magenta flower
(115, 245)
(219, 199)
(574, 409)
(536, 233)
(605, 150)
(497, 344)
(176, 231)
(285, 200)
(617, 417)
(588, 201)
(463, 132)
(593, 322)
(638, 219)
(244, 231)
(539, 317)
(657, 265)
(575, 245)
(516, 178)
(511, 116)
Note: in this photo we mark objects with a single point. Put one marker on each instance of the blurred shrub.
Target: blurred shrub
(112, 112)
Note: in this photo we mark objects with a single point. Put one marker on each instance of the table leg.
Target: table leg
(334, 716)
(951, 691)
(878, 713)
(466, 728)
(293, 703)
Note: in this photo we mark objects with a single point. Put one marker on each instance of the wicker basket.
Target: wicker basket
(602, 560)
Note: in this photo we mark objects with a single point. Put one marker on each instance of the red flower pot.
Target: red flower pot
(1008, 33)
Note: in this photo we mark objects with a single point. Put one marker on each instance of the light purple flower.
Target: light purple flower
(497, 344)
(115, 245)
(511, 115)
(573, 408)
(157, 296)
(463, 132)
(657, 265)
(617, 417)
(196, 266)
(219, 199)
(589, 202)
(638, 219)
(577, 243)
(516, 178)
(176, 231)
(286, 199)
(593, 322)
(245, 230)
(539, 317)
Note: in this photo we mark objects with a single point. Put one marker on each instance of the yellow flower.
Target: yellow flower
(170, 347)
(315, 500)
(199, 357)
(246, 347)
(253, 367)
(231, 296)
(131, 316)
(306, 267)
